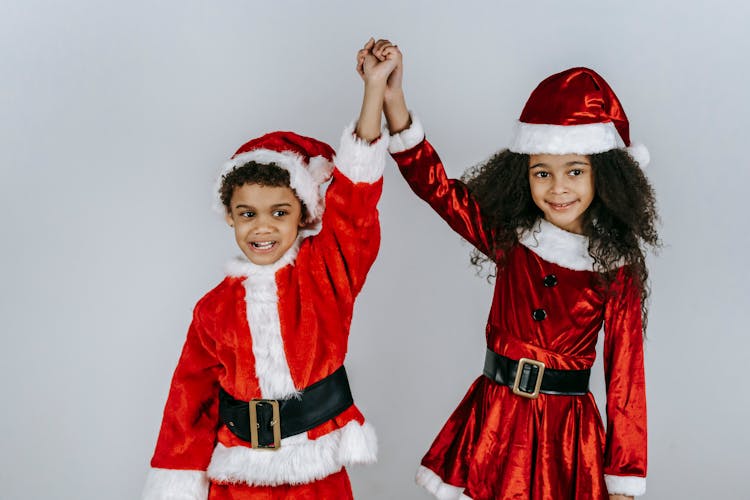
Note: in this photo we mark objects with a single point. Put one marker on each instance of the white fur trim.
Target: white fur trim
(435, 485)
(359, 160)
(625, 485)
(271, 366)
(305, 180)
(533, 138)
(172, 484)
(298, 460)
(640, 153)
(558, 246)
(407, 139)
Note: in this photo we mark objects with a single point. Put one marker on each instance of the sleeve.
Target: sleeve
(450, 198)
(626, 446)
(349, 238)
(188, 430)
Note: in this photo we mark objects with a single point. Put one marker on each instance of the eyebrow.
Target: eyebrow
(568, 164)
(277, 205)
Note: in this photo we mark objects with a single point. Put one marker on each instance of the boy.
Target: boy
(260, 405)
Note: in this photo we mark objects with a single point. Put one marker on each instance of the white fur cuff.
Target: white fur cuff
(359, 160)
(625, 485)
(407, 139)
(172, 484)
(435, 485)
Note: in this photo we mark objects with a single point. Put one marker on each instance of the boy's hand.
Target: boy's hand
(377, 70)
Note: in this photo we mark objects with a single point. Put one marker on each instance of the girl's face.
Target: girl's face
(562, 186)
(266, 220)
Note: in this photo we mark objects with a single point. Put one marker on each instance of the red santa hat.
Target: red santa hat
(574, 112)
(308, 161)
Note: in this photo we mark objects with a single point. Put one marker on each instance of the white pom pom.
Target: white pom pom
(640, 153)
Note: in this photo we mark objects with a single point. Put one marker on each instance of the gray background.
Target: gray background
(114, 118)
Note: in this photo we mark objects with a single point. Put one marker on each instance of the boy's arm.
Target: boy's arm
(188, 431)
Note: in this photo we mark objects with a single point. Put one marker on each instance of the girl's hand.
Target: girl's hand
(384, 50)
(374, 70)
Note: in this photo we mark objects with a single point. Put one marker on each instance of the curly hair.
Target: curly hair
(263, 174)
(619, 223)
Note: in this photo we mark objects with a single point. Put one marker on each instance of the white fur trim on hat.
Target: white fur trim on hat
(625, 485)
(299, 459)
(407, 139)
(304, 179)
(359, 160)
(639, 152)
(172, 484)
(435, 485)
(532, 138)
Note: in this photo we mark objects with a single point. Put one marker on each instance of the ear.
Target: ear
(228, 218)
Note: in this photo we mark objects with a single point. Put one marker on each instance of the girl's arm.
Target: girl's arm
(421, 166)
(625, 451)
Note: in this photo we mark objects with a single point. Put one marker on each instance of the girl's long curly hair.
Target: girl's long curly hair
(619, 223)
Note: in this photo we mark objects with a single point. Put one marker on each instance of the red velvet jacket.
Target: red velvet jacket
(269, 331)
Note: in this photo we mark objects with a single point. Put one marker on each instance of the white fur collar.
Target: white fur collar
(558, 246)
(241, 266)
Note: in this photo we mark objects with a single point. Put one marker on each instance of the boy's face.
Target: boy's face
(266, 220)
(562, 186)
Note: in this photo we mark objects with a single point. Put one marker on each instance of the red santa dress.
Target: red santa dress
(268, 332)
(499, 445)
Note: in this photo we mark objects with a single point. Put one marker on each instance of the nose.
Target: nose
(559, 185)
(263, 225)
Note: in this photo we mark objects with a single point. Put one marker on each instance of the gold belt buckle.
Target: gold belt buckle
(519, 372)
(275, 423)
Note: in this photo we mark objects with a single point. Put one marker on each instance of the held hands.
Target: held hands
(380, 65)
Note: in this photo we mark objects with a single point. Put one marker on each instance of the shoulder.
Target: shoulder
(226, 291)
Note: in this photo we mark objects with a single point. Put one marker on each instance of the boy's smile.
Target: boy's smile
(562, 186)
(266, 220)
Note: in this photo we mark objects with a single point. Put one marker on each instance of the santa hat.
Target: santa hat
(308, 161)
(574, 112)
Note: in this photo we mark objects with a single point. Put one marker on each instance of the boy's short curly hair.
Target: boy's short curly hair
(263, 174)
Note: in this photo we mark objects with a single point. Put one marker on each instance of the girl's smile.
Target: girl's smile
(562, 186)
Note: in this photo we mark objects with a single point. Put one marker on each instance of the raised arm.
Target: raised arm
(420, 164)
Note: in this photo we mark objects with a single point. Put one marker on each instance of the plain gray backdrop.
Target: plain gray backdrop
(114, 119)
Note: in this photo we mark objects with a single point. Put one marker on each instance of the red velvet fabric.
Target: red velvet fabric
(334, 487)
(499, 445)
(577, 96)
(315, 302)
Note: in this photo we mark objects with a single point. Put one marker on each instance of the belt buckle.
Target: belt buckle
(275, 423)
(519, 373)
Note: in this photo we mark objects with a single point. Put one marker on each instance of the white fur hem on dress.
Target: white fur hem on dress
(172, 484)
(625, 485)
(299, 460)
(435, 485)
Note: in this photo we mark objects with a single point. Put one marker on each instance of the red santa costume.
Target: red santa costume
(547, 307)
(271, 331)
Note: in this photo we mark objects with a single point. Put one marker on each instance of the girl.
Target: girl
(564, 213)
(260, 405)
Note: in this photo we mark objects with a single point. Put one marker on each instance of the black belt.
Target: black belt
(264, 422)
(533, 377)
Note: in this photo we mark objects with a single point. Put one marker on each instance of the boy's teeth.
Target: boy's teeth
(263, 245)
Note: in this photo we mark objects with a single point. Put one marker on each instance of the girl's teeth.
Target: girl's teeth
(264, 245)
